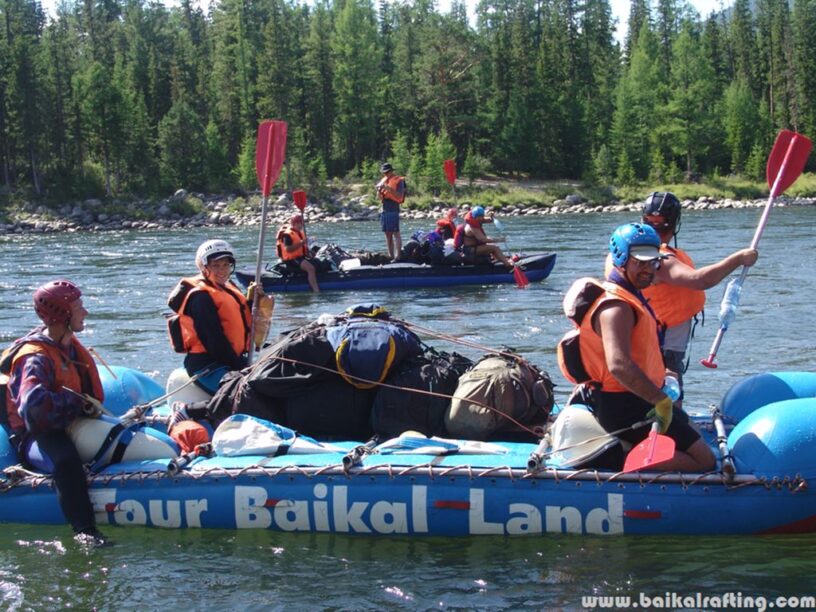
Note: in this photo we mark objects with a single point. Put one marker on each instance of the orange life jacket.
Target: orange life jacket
(446, 225)
(78, 374)
(392, 182)
(298, 239)
(645, 344)
(672, 304)
(233, 312)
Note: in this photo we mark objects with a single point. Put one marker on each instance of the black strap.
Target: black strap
(113, 434)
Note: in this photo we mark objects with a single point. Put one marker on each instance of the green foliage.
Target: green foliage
(121, 97)
(475, 165)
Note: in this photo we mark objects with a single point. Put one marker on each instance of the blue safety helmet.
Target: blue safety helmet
(626, 236)
(477, 212)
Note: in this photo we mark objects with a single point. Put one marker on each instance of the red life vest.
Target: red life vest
(645, 345)
(233, 313)
(392, 182)
(446, 228)
(459, 235)
(298, 239)
(674, 305)
(78, 374)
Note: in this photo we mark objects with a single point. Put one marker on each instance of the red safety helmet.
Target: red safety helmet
(52, 301)
(295, 219)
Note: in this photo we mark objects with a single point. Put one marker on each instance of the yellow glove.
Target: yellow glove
(662, 413)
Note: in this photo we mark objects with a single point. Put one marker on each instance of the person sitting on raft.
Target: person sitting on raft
(446, 226)
(214, 316)
(620, 350)
(294, 250)
(52, 380)
(470, 237)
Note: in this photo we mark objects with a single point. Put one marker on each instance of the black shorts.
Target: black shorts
(619, 410)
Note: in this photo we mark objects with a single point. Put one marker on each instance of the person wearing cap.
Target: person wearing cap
(472, 240)
(214, 316)
(620, 351)
(52, 380)
(293, 249)
(678, 291)
(391, 191)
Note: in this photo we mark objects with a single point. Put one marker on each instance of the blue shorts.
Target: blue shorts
(389, 217)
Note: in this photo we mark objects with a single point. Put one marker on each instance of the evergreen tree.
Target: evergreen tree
(357, 82)
(804, 22)
(183, 148)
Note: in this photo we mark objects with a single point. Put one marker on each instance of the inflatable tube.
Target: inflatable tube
(142, 443)
(127, 388)
(761, 389)
(8, 454)
(777, 440)
(189, 394)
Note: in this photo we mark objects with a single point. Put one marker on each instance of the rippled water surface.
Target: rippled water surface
(125, 277)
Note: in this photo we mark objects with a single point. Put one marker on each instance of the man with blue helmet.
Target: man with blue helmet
(620, 350)
(471, 239)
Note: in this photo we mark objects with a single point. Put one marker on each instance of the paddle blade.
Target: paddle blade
(450, 170)
(653, 450)
(787, 160)
(520, 277)
(270, 153)
(300, 199)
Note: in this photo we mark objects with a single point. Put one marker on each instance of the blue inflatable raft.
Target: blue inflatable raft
(404, 276)
(455, 488)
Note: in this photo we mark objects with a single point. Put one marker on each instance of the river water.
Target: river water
(125, 278)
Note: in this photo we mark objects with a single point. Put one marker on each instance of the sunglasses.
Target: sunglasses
(657, 222)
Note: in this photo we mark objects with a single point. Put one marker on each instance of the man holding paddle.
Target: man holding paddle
(678, 292)
(620, 350)
(391, 191)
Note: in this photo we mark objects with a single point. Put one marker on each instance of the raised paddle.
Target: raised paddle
(785, 164)
(270, 152)
(450, 175)
(522, 282)
(299, 196)
(655, 449)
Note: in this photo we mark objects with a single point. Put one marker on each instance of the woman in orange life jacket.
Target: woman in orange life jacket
(470, 237)
(391, 191)
(52, 381)
(678, 292)
(620, 350)
(292, 249)
(215, 317)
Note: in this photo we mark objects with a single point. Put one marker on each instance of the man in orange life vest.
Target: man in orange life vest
(214, 316)
(294, 250)
(620, 350)
(53, 380)
(472, 240)
(391, 191)
(678, 292)
(446, 226)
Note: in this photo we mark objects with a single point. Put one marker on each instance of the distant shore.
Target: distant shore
(94, 215)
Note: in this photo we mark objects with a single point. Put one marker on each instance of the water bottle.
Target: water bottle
(730, 302)
(671, 387)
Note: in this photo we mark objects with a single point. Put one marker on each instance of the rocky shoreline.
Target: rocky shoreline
(95, 216)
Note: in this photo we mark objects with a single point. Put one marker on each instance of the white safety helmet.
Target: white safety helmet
(213, 249)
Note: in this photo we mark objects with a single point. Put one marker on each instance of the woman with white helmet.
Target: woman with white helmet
(214, 317)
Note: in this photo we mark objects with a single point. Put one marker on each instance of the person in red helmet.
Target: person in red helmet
(293, 249)
(52, 380)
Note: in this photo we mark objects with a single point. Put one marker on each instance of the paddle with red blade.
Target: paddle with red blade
(270, 153)
(522, 282)
(654, 450)
(449, 166)
(299, 196)
(785, 164)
